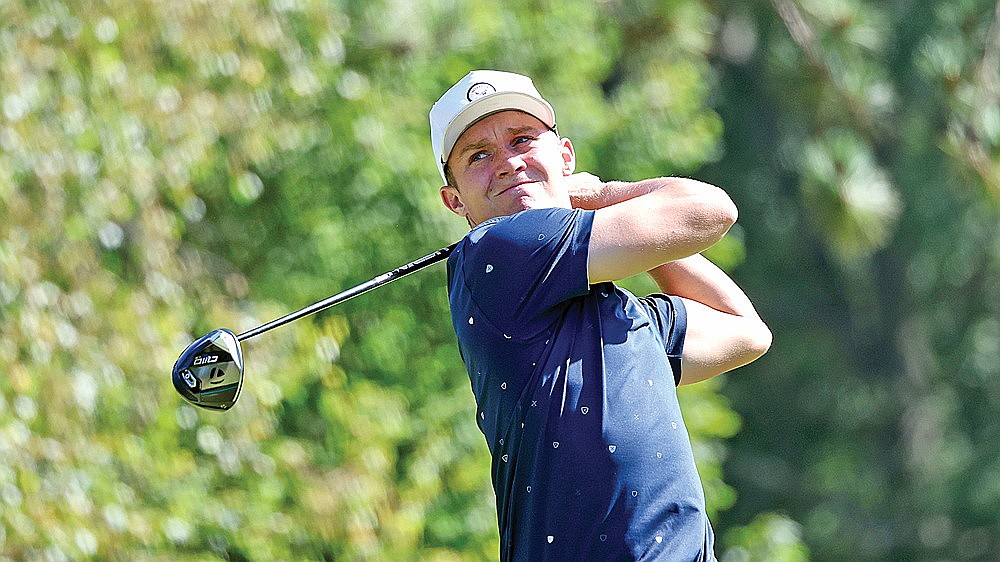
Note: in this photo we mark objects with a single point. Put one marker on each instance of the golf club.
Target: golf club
(209, 372)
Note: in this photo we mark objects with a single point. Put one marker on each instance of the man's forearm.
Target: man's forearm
(589, 192)
(724, 330)
(698, 279)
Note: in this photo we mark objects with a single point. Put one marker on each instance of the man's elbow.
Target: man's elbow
(737, 352)
(718, 212)
(725, 213)
(754, 343)
(759, 341)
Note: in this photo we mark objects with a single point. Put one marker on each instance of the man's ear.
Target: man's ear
(453, 200)
(569, 157)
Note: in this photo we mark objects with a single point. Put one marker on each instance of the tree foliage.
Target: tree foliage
(866, 139)
(171, 167)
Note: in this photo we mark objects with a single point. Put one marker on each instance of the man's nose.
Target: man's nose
(511, 162)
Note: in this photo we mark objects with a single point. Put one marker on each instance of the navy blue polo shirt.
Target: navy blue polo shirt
(575, 386)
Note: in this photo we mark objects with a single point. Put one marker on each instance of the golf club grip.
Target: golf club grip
(342, 296)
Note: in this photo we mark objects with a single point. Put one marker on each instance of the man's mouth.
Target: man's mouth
(518, 185)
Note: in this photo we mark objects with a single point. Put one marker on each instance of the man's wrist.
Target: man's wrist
(614, 192)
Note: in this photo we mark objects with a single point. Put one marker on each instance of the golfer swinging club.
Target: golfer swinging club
(575, 378)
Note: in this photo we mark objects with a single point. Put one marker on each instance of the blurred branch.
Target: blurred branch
(801, 32)
(969, 146)
(989, 83)
(972, 145)
(967, 141)
(988, 75)
(806, 40)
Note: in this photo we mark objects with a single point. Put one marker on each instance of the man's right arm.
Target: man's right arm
(641, 225)
(659, 226)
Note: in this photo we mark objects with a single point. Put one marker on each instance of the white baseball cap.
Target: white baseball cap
(479, 94)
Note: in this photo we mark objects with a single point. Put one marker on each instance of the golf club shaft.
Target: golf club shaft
(342, 296)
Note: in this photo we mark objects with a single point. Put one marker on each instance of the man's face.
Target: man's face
(505, 163)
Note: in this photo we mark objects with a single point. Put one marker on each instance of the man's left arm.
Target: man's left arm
(724, 330)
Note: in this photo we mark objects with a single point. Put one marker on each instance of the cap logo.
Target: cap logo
(479, 90)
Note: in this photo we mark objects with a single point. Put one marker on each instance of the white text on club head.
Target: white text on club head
(205, 360)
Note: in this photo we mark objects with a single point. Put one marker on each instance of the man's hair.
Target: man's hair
(449, 177)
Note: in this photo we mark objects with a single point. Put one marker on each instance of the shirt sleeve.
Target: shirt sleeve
(520, 269)
(670, 317)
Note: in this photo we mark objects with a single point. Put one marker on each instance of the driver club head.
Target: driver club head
(209, 373)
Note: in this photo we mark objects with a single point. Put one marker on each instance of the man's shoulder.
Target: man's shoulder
(531, 260)
(531, 226)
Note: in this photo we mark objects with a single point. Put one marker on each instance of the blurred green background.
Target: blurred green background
(168, 167)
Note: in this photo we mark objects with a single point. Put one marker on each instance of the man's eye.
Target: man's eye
(522, 140)
(476, 156)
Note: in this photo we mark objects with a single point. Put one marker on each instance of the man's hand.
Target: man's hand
(584, 190)
(587, 191)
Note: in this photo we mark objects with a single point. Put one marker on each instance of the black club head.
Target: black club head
(209, 373)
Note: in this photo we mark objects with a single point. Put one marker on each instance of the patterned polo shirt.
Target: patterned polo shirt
(575, 386)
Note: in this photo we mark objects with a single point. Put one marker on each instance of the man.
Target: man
(575, 378)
